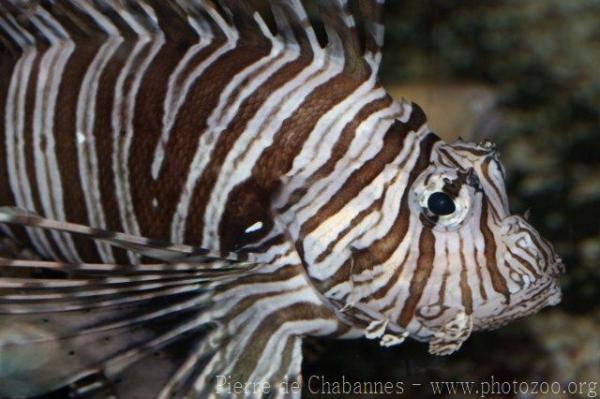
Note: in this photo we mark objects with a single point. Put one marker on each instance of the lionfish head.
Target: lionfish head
(492, 264)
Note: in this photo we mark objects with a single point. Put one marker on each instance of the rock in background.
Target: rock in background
(454, 109)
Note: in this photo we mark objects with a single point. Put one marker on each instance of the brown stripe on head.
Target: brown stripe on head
(524, 263)
(465, 289)
(375, 207)
(500, 210)
(382, 249)
(411, 166)
(420, 276)
(498, 280)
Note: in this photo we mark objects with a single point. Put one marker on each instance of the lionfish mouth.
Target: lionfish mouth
(545, 292)
(557, 268)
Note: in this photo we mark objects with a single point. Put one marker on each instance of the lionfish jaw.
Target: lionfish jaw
(557, 268)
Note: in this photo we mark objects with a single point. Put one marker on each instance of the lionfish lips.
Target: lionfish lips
(556, 268)
(542, 293)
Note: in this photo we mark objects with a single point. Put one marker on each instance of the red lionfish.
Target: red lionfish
(286, 194)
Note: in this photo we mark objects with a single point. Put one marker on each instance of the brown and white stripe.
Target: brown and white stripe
(285, 193)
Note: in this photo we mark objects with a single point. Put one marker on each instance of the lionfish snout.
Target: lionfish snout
(557, 267)
(530, 266)
(528, 250)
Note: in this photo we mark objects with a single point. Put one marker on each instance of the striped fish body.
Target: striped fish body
(176, 131)
(322, 206)
(173, 132)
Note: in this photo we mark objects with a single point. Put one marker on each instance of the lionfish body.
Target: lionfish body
(301, 200)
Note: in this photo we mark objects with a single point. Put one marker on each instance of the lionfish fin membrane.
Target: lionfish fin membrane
(136, 331)
(130, 330)
(56, 332)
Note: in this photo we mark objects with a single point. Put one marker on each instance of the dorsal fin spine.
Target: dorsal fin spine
(262, 25)
(196, 17)
(240, 15)
(202, 28)
(343, 37)
(373, 15)
(50, 20)
(100, 19)
(294, 26)
(134, 23)
(230, 33)
(16, 33)
(58, 33)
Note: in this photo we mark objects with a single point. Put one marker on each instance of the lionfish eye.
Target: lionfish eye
(441, 204)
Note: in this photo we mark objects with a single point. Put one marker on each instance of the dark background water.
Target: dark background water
(539, 60)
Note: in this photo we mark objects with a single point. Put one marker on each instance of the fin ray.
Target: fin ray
(156, 249)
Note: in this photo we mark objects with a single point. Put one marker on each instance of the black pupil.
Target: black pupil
(441, 204)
